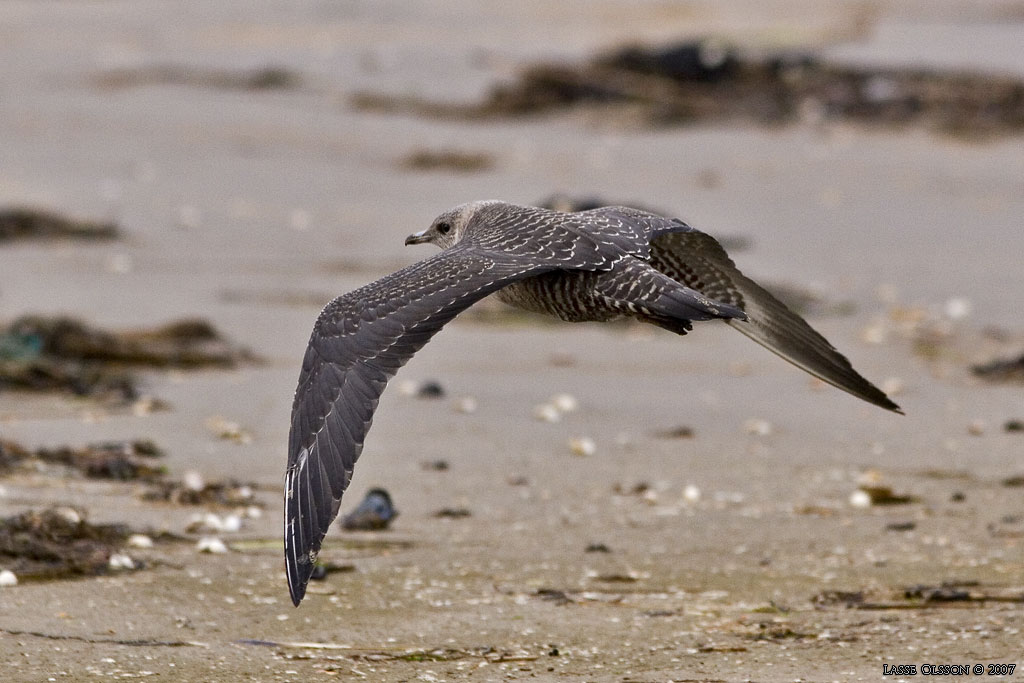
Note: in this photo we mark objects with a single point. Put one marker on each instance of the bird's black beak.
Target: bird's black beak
(417, 238)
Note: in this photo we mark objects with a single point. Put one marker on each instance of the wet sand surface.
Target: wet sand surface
(734, 553)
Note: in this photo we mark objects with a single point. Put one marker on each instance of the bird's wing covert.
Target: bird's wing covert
(359, 342)
(699, 261)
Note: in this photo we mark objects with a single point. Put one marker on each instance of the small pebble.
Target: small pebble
(408, 388)
(211, 544)
(467, 405)
(119, 264)
(546, 412)
(597, 548)
(976, 427)
(958, 308)
(893, 386)
(430, 389)
(1014, 426)
(680, 432)
(582, 446)
(231, 523)
(691, 494)
(229, 430)
(374, 512)
(120, 561)
(860, 499)
(875, 333)
(8, 578)
(565, 403)
(70, 515)
(193, 481)
(140, 541)
(453, 513)
(758, 427)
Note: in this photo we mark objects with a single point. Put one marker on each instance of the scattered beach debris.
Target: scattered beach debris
(564, 403)
(1001, 370)
(691, 494)
(946, 592)
(19, 223)
(628, 577)
(374, 513)
(582, 446)
(58, 542)
(678, 432)
(453, 513)
(8, 578)
(229, 430)
(263, 78)
(466, 405)
(1013, 426)
(545, 412)
(186, 343)
(702, 81)
(120, 562)
(868, 495)
(447, 160)
(901, 526)
(212, 545)
(637, 489)
(597, 548)
(122, 460)
(838, 597)
(1016, 481)
(212, 523)
(556, 406)
(429, 388)
(976, 427)
(194, 490)
(554, 595)
(953, 593)
(141, 541)
(435, 465)
(40, 353)
(758, 427)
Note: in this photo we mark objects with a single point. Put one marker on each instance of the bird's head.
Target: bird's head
(450, 227)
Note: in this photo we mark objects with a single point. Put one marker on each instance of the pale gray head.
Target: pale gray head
(448, 228)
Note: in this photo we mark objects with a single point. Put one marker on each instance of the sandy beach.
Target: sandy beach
(723, 528)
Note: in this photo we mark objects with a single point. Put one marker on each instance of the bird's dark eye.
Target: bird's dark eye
(444, 228)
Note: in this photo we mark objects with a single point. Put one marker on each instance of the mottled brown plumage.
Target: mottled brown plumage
(591, 265)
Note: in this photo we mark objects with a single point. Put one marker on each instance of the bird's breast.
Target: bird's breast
(569, 296)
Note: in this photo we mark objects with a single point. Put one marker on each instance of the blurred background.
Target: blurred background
(226, 168)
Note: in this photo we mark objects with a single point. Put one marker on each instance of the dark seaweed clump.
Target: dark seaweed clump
(119, 460)
(64, 354)
(708, 81)
(21, 223)
(57, 543)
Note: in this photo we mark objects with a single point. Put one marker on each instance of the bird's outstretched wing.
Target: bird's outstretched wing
(700, 262)
(359, 342)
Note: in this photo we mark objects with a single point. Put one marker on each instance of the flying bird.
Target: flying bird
(596, 265)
